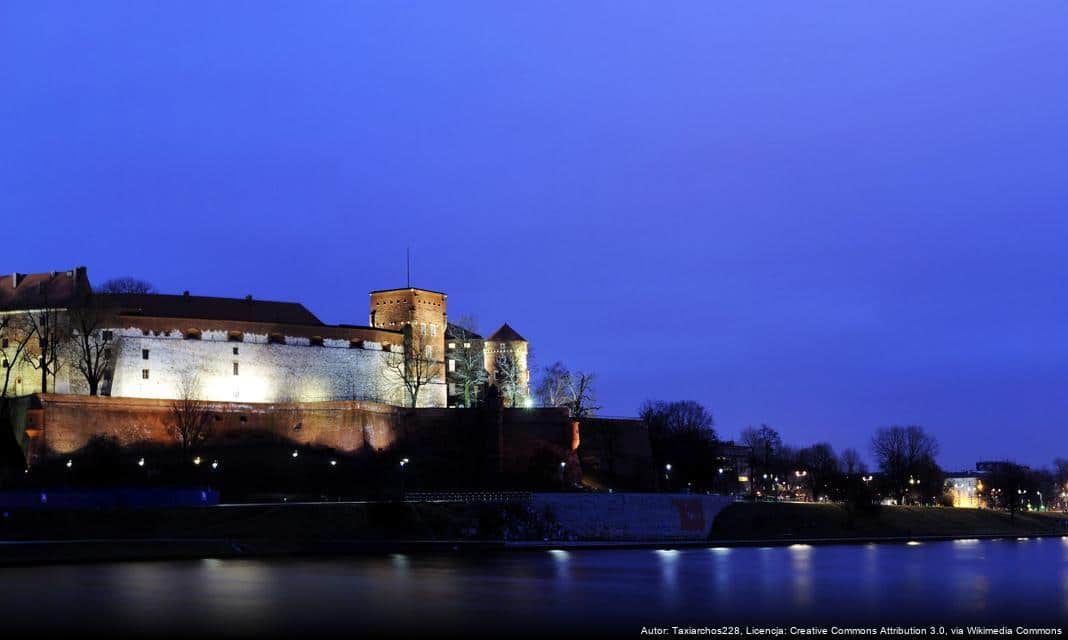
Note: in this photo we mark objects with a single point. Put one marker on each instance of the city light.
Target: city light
(214, 464)
(333, 463)
(141, 462)
(295, 453)
(196, 460)
(70, 463)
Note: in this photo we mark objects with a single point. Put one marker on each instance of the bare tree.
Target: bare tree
(510, 376)
(470, 371)
(53, 332)
(468, 322)
(16, 334)
(906, 457)
(91, 342)
(852, 462)
(581, 399)
(683, 442)
(552, 385)
(415, 366)
(559, 387)
(126, 284)
(190, 416)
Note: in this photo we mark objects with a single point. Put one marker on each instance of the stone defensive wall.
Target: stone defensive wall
(632, 516)
(516, 441)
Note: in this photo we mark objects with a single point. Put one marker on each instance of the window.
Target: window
(3, 344)
(452, 365)
(235, 351)
(235, 368)
(108, 335)
(276, 338)
(423, 328)
(144, 354)
(235, 336)
(192, 334)
(434, 330)
(144, 374)
(315, 341)
(452, 345)
(429, 351)
(6, 365)
(467, 345)
(107, 355)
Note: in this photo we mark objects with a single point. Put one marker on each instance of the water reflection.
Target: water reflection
(552, 590)
(801, 566)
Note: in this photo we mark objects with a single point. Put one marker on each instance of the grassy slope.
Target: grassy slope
(768, 521)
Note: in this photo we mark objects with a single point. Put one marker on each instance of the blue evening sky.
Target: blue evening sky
(824, 216)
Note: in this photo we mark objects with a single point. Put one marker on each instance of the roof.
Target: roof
(52, 289)
(209, 308)
(506, 334)
(440, 293)
(460, 333)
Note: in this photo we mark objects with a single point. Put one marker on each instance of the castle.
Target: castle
(58, 335)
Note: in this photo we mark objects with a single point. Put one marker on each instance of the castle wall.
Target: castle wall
(67, 423)
(297, 371)
(524, 442)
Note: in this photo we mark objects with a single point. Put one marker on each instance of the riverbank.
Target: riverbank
(227, 531)
(772, 521)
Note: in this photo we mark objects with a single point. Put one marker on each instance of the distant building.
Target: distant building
(964, 489)
(231, 349)
(998, 466)
(733, 462)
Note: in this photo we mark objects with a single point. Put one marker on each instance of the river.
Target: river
(943, 583)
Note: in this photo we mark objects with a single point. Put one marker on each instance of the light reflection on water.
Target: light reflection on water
(969, 579)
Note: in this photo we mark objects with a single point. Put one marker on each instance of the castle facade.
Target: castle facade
(59, 335)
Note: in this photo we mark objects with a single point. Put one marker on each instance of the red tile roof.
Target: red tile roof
(208, 308)
(54, 289)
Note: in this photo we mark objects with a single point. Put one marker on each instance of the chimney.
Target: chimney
(79, 276)
(16, 279)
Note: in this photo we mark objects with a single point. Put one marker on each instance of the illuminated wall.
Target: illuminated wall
(255, 369)
(25, 379)
(964, 492)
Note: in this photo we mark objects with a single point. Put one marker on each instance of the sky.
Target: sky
(823, 216)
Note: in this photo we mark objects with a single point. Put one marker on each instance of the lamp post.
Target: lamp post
(667, 475)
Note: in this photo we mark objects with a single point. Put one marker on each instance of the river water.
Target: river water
(945, 583)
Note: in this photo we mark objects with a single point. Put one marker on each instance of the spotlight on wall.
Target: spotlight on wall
(141, 462)
(295, 453)
(70, 463)
(196, 460)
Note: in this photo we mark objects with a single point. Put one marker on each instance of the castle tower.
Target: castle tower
(504, 350)
(424, 312)
(423, 309)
